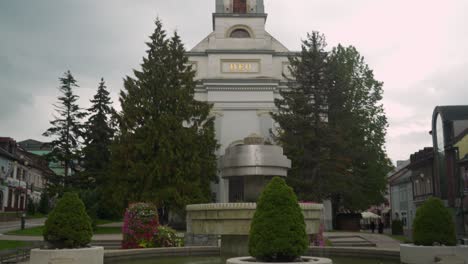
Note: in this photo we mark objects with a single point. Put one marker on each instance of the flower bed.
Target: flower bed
(141, 224)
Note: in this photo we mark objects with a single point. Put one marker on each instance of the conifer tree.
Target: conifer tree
(165, 149)
(302, 121)
(98, 138)
(66, 131)
(333, 126)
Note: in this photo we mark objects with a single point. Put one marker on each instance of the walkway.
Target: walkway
(15, 225)
(379, 240)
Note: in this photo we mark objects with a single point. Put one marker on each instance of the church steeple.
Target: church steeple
(237, 7)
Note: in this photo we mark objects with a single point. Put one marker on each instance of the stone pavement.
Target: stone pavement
(379, 240)
(15, 225)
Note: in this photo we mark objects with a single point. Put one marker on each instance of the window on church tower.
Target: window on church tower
(240, 6)
(240, 33)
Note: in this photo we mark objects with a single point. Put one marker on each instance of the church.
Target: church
(241, 69)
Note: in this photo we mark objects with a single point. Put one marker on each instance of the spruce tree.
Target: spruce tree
(165, 149)
(332, 125)
(66, 131)
(302, 120)
(98, 138)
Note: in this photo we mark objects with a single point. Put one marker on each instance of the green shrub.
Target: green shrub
(433, 224)
(68, 225)
(167, 237)
(397, 227)
(277, 232)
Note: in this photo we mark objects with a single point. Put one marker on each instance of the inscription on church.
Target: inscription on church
(240, 66)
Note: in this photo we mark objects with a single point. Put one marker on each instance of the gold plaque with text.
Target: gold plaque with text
(240, 66)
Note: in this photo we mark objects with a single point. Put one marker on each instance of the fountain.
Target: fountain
(248, 165)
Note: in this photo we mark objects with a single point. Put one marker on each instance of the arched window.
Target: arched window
(240, 33)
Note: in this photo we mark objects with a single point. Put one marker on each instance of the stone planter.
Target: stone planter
(250, 260)
(412, 254)
(91, 255)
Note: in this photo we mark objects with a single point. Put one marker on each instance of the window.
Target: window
(240, 33)
(240, 6)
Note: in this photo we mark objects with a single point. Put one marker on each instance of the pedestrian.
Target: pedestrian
(372, 226)
(381, 226)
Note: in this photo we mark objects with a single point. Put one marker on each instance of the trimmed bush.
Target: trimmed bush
(433, 224)
(68, 225)
(140, 226)
(167, 237)
(397, 227)
(278, 231)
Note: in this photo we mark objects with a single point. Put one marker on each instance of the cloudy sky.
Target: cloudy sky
(417, 47)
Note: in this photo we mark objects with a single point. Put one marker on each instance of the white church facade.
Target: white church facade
(241, 70)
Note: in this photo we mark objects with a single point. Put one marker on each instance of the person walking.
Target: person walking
(381, 226)
(372, 226)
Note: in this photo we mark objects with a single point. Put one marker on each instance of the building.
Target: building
(240, 68)
(422, 175)
(401, 195)
(22, 176)
(41, 149)
(449, 124)
(13, 190)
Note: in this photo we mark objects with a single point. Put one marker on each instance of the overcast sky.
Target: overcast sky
(417, 48)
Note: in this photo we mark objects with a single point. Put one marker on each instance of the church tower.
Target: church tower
(240, 69)
(240, 7)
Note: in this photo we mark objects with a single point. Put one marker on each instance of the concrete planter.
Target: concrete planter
(92, 255)
(412, 254)
(250, 260)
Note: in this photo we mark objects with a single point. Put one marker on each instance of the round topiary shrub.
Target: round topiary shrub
(68, 225)
(140, 226)
(278, 231)
(433, 224)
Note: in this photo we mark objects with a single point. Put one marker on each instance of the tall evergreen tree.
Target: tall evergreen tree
(357, 115)
(301, 117)
(98, 138)
(165, 150)
(332, 126)
(66, 131)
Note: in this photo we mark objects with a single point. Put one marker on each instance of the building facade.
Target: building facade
(448, 126)
(401, 196)
(241, 69)
(22, 176)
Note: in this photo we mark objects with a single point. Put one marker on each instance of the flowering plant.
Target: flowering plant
(318, 240)
(140, 226)
(167, 237)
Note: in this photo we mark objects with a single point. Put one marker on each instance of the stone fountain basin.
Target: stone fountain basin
(235, 218)
(250, 260)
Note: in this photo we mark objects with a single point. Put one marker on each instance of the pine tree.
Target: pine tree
(67, 132)
(302, 121)
(98, 138)
(333, 126)
(165, 149)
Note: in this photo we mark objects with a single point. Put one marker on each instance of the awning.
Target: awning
(369, 215)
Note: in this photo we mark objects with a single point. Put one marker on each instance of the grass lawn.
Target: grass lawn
(5, 244)
(37, 231)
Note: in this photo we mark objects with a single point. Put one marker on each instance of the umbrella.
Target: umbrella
(369, 215)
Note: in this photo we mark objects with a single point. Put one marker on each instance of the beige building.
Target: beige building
(241, 68)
